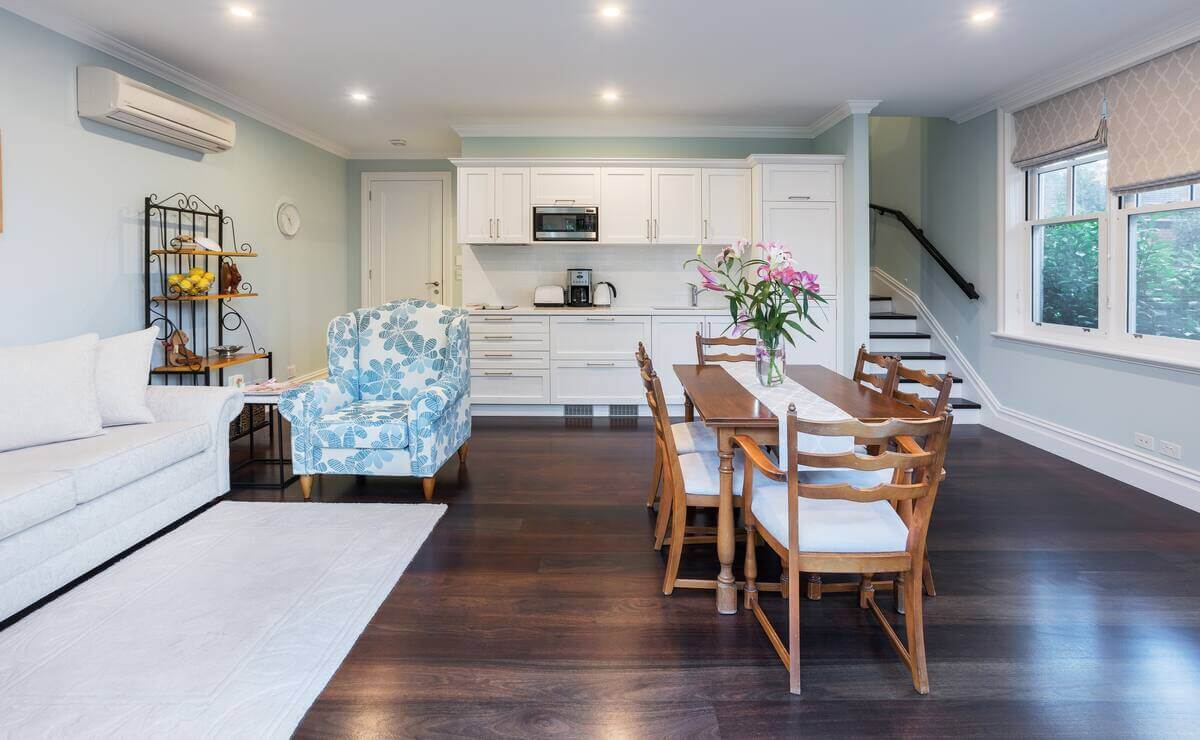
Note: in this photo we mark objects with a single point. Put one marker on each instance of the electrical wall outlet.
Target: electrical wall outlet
(291, 371)
(1145, 441)
(1171, 450)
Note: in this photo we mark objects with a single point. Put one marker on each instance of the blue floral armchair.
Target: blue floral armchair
(397, 400)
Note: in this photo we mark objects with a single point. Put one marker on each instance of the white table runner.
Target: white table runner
(808, 406)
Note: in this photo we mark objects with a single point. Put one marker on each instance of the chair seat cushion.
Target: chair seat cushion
(832, 525)
(118, 457)
(364, 425)
(28, 499)
(694, 436)
(702, 478)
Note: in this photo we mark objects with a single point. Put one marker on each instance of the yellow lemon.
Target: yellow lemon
(185, 285)
(174, 279)
(209, 277)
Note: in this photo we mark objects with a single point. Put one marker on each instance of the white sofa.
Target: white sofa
(68, 507)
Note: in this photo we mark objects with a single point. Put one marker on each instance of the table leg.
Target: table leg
(689, 408)
(726, 585)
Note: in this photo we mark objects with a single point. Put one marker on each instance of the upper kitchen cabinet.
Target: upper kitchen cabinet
(675, 197)
(565, 186)
(799, 183)
(810, 232)
(493, 205)
(625, 211)
(726, 205)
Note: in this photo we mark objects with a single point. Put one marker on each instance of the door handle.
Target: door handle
(799, 197)
(434, 283)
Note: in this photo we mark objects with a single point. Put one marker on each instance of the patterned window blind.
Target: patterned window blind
(1152, 129)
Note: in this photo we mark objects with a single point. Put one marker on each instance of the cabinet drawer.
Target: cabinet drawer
(799, 182)
(504, 341)
(567, 186)
(597, 381)
(505, 360)
(509, 325)
(598, 337)
(510, 386)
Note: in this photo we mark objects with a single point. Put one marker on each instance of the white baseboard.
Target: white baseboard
(1175, 483)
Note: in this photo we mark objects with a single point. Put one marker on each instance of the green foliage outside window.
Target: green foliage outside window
(1166, 292)
(1070, 274)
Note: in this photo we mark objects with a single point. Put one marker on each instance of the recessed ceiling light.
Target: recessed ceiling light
(610, 11)
(240, 11)
(983, 15)
(610, 96)
(359, 97)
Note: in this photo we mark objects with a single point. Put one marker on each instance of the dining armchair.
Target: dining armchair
(833, 513)
(397, 399)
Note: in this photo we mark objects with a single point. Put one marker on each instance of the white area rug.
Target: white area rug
(229, 626)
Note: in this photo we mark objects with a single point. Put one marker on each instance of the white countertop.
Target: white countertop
(608, 311)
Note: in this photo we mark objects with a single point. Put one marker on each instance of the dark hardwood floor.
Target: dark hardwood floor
(1068, 606)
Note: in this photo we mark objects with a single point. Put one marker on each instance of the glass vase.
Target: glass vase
(770, 363)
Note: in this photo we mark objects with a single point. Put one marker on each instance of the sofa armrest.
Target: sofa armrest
(213, 405)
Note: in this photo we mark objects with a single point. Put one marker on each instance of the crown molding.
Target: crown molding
(841, 113)
(402, 155)
(60, 23)
(618, 130)
(1172, 37)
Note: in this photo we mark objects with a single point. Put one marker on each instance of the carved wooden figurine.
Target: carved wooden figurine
(177, 352)
(231, 277)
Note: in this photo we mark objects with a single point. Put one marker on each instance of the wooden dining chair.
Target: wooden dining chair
(885, 383)
(703, 358)
(936, 405)
(689, 480)
(835, 515)
(690, 436)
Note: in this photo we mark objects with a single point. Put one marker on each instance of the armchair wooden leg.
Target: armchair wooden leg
(462, 454)
(427, 484)
(306, 482)
(914, 623)
(866, 591)
(814, 587)
(675, 551)
(793, 626)
(898, 591)
(660, 523)
(751, 564)
(927, 579)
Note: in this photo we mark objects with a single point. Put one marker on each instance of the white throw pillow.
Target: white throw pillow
(122, 370)
(48, 392)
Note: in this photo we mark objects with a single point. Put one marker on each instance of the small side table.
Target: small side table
(275, 446)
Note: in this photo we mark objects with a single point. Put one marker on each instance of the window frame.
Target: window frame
(1125, 304)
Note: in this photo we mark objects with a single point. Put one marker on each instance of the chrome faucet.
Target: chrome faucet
(693, 295)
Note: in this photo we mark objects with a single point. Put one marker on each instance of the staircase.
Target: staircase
(902, 335)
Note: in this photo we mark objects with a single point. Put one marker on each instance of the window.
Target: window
(1164, 270)
(1068, 201)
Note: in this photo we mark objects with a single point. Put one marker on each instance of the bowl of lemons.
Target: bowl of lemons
(196, 282)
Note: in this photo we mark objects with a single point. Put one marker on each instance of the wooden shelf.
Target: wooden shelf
(206, 297)
(211, 364)
(204, 252)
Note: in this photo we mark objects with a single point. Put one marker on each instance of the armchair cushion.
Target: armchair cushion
(831, 525)
(364, 425)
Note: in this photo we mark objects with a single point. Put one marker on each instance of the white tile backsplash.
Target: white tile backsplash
(644, 274)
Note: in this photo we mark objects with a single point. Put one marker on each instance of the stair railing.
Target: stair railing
(955, 275)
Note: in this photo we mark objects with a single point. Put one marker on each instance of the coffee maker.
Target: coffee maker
(579, 287)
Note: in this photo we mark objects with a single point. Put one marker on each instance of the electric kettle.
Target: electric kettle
(603, 294)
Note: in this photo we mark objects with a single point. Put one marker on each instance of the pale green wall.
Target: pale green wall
(629, 147)
(898, 181)
(72, 252)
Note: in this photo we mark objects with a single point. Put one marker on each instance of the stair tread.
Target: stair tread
(881, 298)
(898, 335)
(917, 355)
(892, 315)
(963, 403)
(906, 380)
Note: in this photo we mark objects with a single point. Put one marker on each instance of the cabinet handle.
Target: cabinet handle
(497, 318)
(799, 197)
(706, 228)
(601, 364)
(490, 231)
(497, 336)
(647, 229)
(487, 372)
(497, 228)
(497, 354)
(564, 200)
(656, 228)
(600, 318)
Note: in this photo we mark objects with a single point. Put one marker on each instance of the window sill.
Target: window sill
(1087, 348)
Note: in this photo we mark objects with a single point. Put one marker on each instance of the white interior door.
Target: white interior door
(406, 238)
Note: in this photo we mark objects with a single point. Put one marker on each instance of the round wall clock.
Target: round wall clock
(288, 219)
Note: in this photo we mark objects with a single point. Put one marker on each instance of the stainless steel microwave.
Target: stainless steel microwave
(566, 224)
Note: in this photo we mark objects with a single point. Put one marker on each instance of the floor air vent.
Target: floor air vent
(577, 409)
(623, 409)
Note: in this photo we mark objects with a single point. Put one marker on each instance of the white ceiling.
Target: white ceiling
(431, 64)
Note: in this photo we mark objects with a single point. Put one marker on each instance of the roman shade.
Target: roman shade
(1148, 116)
(1065, 126)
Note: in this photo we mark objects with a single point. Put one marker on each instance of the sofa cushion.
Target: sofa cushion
(364, 425)
(119, 457)
(48, 392)
(27, 499)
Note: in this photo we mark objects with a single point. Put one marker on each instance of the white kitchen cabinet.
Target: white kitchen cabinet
(476, 204)
(625, 205)
(493, 205)
(675, 195)
(725, 205)
(510, 386)
(674, 341)
(514, 217)
(822, 349)
(596, 382)
(597, 337)
(564, 186)
(809, 230)
(799, 182)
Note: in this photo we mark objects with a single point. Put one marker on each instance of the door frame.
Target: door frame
(449, 296)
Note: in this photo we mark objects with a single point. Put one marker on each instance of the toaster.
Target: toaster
(549, 296)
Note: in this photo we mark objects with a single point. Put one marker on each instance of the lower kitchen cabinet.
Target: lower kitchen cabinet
(596, 382)
(509, 386)
(597, 337)
(675, 344)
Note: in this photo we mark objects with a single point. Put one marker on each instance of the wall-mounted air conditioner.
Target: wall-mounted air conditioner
(119, 101)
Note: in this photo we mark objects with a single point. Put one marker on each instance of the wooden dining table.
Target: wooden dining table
(729, 408)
